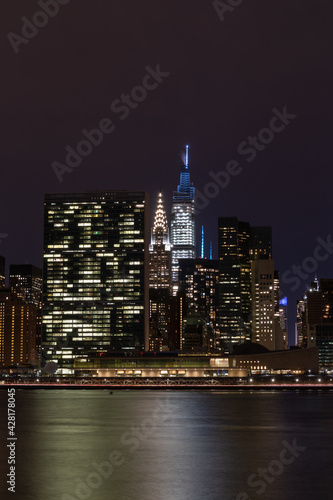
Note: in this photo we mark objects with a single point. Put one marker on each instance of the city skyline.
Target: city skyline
(285, 285)
(166, 249)
(209, 97)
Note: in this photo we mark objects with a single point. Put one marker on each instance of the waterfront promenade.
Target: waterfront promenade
(271, 383)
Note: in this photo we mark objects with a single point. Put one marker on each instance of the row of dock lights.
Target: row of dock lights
(296, 380)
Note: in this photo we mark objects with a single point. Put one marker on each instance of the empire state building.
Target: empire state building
(182, 222)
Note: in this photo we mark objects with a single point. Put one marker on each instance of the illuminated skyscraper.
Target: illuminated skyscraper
(159, 278)
(182, 222)
(95, 287)
(241, 245)
(266, 328)
(17, 329)
(160, 249)
(234, 312)
(25, 281)
(198, 279)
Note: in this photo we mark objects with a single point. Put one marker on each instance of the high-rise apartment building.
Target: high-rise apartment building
(25, 281)
(95, 274)
(182, 222)
(17, 329)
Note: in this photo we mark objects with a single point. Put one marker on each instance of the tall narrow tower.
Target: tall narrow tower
(182, 222)
(159, 279)
(160, 249)
(202, 250)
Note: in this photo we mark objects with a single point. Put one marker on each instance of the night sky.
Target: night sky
(223, 80)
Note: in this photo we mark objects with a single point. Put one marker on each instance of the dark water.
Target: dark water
(170, 445)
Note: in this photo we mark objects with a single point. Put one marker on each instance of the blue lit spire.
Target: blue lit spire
(185, 190)
(211, 251)
(202, 243)
(182, 222)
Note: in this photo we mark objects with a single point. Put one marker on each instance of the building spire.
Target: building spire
(160, 219)
(202, 242)
(160, 229)
(185, 188)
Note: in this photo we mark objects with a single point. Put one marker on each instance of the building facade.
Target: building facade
(234, 311)
(198, 279)
(159, 279)
(267, 312)
(26, 282)
(17, 329)
(315, 321)
(241, 249)
(95, 270)
(182, 222)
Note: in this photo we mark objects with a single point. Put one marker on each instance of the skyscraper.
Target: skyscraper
(159, 278)
(198, 278)
(315, 321)
(25, 281)
(160, 249)
(268, 323)
(240, 246)
(182, 222)
(234, 311)
(266, 328)
(17, 329)
(95, 274)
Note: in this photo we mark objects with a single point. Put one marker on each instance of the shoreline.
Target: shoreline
(206, 387)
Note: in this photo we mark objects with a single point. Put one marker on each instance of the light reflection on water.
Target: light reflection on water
(173, 445)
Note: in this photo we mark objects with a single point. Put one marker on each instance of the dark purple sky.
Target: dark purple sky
(225, 79)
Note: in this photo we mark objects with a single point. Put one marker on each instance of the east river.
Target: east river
(169, 445)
